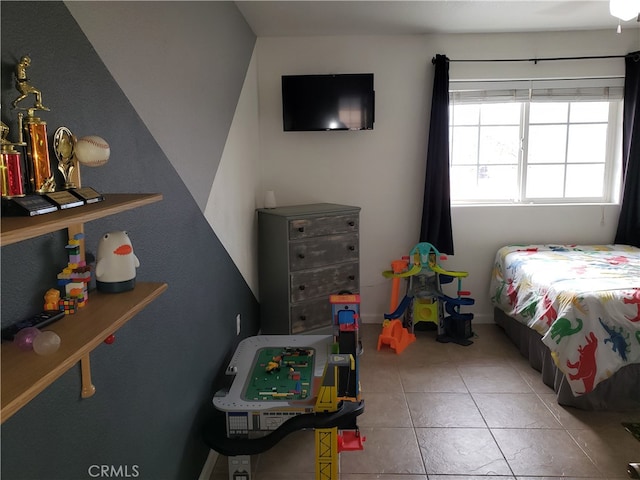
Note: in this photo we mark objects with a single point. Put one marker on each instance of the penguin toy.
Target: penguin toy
(116, 263)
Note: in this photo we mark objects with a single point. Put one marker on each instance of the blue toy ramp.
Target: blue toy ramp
(453, 309)
(459, 301)
(457, 315)
(398, 312)
(457, 325)
(444, 279)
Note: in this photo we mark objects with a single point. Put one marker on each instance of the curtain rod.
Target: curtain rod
(634, 55)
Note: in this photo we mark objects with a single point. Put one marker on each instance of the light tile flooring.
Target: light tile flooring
(447, 412)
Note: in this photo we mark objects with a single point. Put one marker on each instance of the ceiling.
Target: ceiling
(306, 18)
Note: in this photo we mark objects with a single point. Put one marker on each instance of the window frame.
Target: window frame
(559, 90)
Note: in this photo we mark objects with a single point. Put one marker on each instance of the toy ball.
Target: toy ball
(46, 343)
(24, 338)
(115, 263)
(92, 151)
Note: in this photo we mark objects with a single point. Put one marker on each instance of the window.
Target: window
(550, 141)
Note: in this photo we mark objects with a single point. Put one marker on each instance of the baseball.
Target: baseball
(92, 151)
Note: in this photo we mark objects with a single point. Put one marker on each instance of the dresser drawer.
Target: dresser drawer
(324, 281)
(320, 251)
(311, 315)
(317, 226)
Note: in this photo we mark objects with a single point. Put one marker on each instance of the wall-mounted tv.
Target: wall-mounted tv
(328, 102)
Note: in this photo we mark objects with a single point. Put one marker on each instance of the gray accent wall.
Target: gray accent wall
(154, 384)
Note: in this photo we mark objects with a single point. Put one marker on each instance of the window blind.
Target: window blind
(548, 90)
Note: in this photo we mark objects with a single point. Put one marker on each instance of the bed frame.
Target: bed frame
(620, 392)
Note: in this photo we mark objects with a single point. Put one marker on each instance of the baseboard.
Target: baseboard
(207, 469)
(378, 318)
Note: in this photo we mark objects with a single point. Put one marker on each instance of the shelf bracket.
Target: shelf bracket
(87, 387)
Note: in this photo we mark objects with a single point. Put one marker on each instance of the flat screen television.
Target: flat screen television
(328, 102)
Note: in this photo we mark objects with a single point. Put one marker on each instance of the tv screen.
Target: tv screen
(327, 102)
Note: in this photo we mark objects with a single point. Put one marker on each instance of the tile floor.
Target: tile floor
(446, 412)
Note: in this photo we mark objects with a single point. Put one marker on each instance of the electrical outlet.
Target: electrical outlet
(238, 323)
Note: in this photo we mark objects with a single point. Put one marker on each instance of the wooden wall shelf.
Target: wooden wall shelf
(25, 374)
(17, 229)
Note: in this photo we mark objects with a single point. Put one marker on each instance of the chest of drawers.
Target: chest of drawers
(305, 254)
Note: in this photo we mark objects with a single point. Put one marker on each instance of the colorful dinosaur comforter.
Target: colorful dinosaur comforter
(583, 299)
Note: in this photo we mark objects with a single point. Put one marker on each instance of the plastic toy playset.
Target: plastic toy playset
(283, 383)
(425, 300)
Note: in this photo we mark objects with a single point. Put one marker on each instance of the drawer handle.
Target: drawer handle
(303, 317)
(301, 287)
(351, 277)
(352, 247)
(301, 255)
(301, 229)
(351, 223)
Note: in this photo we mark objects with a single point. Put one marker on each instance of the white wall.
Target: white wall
(230, 209)
(382, 170)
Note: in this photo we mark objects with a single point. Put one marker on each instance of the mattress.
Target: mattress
(584, 300)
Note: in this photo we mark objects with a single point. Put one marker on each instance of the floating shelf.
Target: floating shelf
(17, 229)
(26, 374)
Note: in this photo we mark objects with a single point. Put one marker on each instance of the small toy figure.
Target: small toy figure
(116, 263)
(51, 299)
(74, 278)
(272, 366)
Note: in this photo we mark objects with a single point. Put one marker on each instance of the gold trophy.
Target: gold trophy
(11, 170)
(14, 198)
(40, 177)
(63, 146)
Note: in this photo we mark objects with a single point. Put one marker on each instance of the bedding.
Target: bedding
(584, 302)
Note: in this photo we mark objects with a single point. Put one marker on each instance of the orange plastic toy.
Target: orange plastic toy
(395, 335)
(397, 266)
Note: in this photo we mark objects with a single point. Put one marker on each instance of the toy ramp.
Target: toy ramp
(398, 312)
(396, 336)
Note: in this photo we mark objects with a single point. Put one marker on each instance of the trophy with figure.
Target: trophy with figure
(41, 180)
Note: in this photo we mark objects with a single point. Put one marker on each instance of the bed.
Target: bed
(574, 311)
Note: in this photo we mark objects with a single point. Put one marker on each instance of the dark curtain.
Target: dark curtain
(436, 207)
(629, 223)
